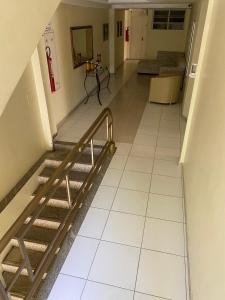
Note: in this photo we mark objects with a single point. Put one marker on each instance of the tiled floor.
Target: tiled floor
(131, 245)
(80, 119)
(127, 100)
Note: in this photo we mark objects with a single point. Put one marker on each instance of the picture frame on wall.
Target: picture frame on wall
(105, 32)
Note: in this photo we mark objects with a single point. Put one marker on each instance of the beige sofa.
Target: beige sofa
(167, 72)
(166, 63)
(165, 89)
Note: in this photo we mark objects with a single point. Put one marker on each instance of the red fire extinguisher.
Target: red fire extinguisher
(127, 35)
(50, 71)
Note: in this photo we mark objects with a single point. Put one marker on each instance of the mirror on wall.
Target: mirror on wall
(82, 44)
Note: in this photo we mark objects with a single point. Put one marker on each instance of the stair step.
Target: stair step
(76, 178)
(14, 259)
(21, 287)
(59, 199)
(54, 159)
(37, 238)
(51, 217)
(58, 145)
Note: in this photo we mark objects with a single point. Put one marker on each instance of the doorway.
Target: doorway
(138, 33)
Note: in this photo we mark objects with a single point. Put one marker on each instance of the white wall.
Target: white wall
(71, 91)
(21, 25)
(22, 141)
(204, 167)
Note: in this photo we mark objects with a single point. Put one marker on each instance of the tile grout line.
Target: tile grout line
(135, 286)
(172, 196)
(111, 285)
(168, 195)
(131, 246)
(146, 217)
(173, 159)
(137, 215)
(103, 229)
(146, 173)
(142, 172)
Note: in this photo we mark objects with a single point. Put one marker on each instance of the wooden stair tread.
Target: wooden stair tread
(77, 176)
(14, 257)
(21, 287)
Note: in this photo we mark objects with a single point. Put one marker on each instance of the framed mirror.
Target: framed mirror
(82, 44)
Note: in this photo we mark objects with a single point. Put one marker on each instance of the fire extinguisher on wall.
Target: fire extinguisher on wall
(127, 35)
(50, 70)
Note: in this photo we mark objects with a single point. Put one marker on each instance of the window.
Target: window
(168, 19)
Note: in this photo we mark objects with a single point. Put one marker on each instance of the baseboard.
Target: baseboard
(21, 183)
(17, 204)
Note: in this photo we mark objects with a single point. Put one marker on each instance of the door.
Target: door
(138, 33)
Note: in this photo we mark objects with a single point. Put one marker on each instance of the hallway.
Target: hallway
(144, 222)
(74, 126)
(127, 100)
(131, 244)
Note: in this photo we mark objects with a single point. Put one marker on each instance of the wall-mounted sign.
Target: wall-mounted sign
(50, 50)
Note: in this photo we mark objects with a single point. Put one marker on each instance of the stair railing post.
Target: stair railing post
(25, 256)
(92, 153)
(111, 132)
(107, 128)
(3, 293)
(68, 191)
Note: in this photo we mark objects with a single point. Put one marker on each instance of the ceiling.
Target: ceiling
(134, 3)
(145, 1)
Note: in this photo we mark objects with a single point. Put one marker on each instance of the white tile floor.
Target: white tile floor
(131, 245)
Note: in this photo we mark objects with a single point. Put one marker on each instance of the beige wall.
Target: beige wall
(204, 167)
(71, 91)
(119, 41)
(198, 15)
(21, 137)
(21, 25)
(165, 40)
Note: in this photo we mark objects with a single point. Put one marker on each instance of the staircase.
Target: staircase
(36, 237)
